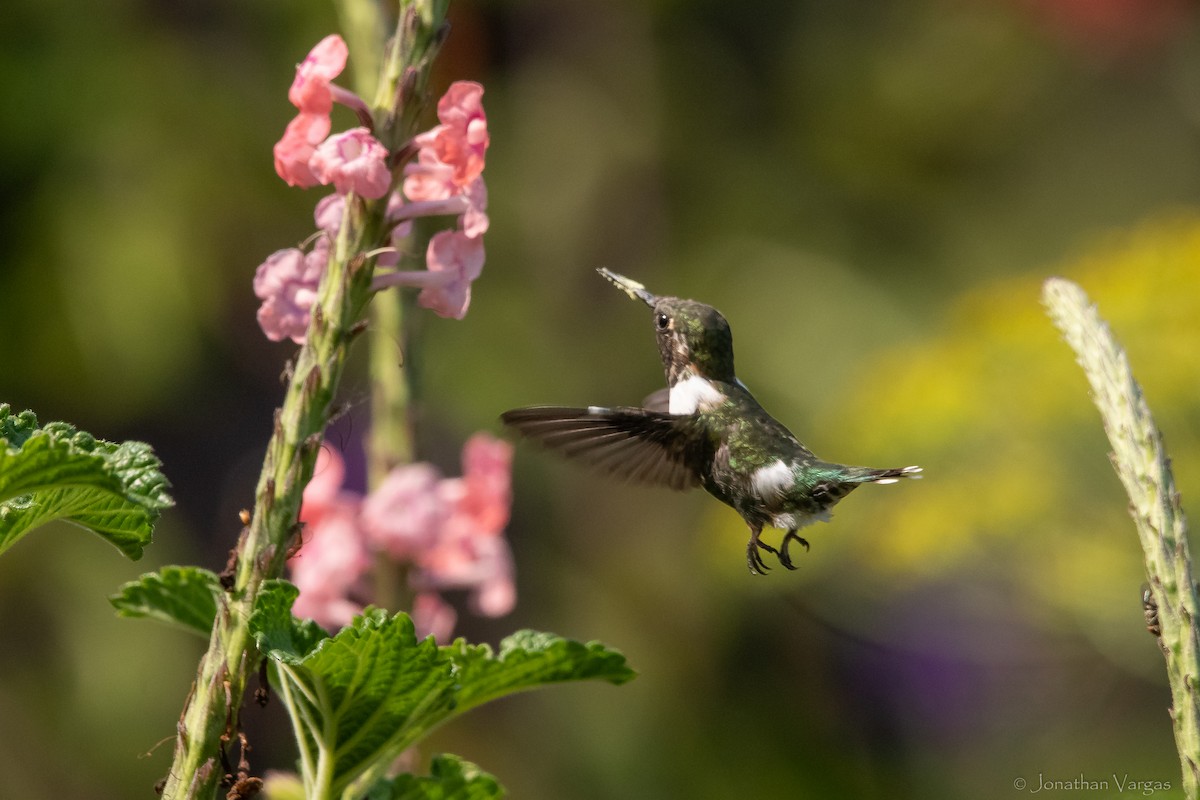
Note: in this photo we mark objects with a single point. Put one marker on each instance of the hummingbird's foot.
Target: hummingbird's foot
(791, 536)
(753, 558)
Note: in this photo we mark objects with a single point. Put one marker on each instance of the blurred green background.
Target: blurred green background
(871, 192)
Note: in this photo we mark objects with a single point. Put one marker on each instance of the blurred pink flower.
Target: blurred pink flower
(310, 90)
(353, 161)
(449, 529)
(470, 552)
(287, 284)
(294, 151)
(487, 473)
(461, 141)
(324, 490)
(402, 516)
(331, 561)
(434, 617)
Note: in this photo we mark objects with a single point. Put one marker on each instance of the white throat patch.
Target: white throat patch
(692, 394)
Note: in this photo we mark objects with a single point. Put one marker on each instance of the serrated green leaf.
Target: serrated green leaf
(452, 778)
(359, 699)
(278, 634)
(56, 472)
(529, 659)
(184, 596)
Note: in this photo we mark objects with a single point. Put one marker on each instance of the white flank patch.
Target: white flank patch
(772, 480)
(789, 522)
(694, 393)
(597, 410)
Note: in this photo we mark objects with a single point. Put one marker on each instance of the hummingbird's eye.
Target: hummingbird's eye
(661, 321)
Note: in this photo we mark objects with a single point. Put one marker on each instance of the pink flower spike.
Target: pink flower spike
(287, 284)
(294, 151)
(310, 90)
(353, 161)
(460, 259)
(403, 514)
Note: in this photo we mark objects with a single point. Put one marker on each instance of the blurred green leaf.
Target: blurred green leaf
(57, 472)
(452, 778)
(183, 596)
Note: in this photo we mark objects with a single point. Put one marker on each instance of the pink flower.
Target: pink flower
(331, 561)
(487, 473)
(428, 178)
(402, 516)
(454, 260)
(433, 197)
(328, 214)
(310, 90)
(353, 161)
(433, 617)
(470, 559)
(462, 139)
(470, 552)
(287, 284)
(294, 151)
(324, 490)
(458, 260)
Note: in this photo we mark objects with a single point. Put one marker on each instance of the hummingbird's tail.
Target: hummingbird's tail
(868, 475)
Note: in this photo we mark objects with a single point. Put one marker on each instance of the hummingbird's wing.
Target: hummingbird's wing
(636, 444)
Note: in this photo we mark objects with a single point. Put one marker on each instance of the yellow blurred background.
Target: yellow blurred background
(870, 192)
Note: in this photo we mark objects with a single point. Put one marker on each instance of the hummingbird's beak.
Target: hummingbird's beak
(632, 288)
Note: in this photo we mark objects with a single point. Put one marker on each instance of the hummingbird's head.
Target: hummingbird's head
(693, 338)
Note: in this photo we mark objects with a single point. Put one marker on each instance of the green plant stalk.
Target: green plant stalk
(210, 716)
(1141, 462)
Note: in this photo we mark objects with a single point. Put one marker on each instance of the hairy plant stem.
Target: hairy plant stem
(1141, 462)
(210, 716)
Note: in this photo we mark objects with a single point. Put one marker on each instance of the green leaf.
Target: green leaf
(356, 699)
(184, 596)
(359, 699)
(529, 659)
(56, 472)
(279, 635)
(452, 778)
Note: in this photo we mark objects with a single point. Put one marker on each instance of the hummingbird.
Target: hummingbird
(705, 429)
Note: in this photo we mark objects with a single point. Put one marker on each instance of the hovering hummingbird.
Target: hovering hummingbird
(705, 429)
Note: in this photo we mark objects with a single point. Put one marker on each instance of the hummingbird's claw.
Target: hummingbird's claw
(788, 538)
(754, 558)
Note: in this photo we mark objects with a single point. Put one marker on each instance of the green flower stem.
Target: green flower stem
(1140, 459)
(210, 716)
